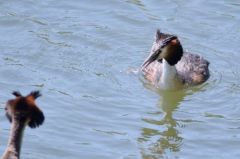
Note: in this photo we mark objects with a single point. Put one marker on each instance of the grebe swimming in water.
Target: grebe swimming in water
(21, 111)
(169, 67)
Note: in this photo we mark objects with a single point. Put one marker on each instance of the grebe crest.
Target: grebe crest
(166, 47)
(23, 108)
(167, 60)
(21, 111)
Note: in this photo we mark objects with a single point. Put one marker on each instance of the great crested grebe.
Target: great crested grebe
(21, 111)
(169, 67)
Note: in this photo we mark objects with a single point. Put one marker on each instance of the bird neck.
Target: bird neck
(15, 140)
(169, 76)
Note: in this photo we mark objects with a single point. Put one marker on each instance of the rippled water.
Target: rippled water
(78, 54)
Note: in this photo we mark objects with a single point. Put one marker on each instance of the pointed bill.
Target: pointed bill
(156, 54)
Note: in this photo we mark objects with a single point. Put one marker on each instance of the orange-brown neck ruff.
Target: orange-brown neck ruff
(21, 111)
(173, 52)
(191, 69)
(160, 53)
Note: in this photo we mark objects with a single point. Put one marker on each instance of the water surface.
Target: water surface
(78, 54)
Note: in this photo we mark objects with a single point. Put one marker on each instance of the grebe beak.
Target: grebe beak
(156, 54)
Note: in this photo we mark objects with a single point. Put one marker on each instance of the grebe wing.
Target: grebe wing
(193, 68)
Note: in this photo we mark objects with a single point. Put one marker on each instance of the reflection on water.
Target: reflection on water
(165, 133)
(75, 53)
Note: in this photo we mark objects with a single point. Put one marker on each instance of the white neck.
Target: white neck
(168, 77)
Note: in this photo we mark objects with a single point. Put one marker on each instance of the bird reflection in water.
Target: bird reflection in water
(163, 136)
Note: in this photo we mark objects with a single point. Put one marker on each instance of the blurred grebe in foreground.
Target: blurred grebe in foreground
(21, 111)
(168, 67)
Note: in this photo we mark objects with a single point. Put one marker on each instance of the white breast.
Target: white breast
(168, 79)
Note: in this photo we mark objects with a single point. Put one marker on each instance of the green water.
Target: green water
(78, 54)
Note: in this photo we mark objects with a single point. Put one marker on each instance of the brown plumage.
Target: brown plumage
(191, 69)
(21, 111)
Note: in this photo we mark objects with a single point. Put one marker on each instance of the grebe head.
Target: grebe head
(23, 108)
(166, 47)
